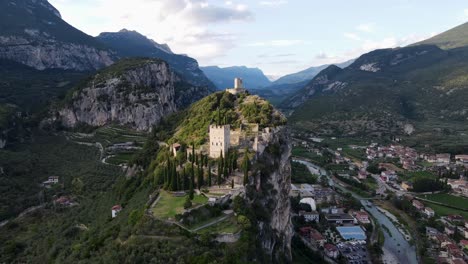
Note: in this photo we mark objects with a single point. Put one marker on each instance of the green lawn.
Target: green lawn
(168, 205)
(120, 158)
(442, 210)
(449, 199)
(227, 226)
(411, 176)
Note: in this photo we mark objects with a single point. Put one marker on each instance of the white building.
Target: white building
(115, 210)
(310, 216)
(220, 138)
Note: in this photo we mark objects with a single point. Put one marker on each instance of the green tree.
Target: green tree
(77, 185)
(191, 190)
(209, 175)
(188, 202)
(246, 167)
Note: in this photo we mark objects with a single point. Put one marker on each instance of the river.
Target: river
(396, 248)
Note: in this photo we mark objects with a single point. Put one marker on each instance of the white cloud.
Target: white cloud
(367, 46)
(186, 25)
(368, 27)
(465, 12)
(273, 3)
(277, 43)
(352, 36)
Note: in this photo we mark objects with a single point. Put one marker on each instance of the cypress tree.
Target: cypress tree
(209, 176)
(185, 184)
(245, 167)
(191, 190)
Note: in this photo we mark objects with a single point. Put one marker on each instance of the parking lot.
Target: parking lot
(355, 252)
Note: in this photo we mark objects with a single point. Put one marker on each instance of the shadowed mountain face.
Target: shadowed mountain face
(132, 44)
(223, 77)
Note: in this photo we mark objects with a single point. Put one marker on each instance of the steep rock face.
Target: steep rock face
(323, 82)
(41, 54)
(137, 97)
(270, 195)
(33, 33)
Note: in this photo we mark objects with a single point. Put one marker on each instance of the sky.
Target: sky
(277, 36)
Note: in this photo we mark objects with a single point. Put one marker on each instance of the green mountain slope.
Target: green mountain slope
(387, 91)
(450, 39)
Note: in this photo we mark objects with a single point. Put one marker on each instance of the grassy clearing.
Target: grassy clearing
(169, 205)
(442, 210)
(449, 199)
(412, 176)
(120, 158)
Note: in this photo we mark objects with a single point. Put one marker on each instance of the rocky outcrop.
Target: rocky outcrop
(323, 82)
(41, 54)
(138, 97)
(269, 196)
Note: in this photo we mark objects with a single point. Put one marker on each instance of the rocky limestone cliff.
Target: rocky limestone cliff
(269, 195)
(39, 53)
(33, 33)
(138, 97)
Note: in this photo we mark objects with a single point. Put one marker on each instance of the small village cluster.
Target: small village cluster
(344, 229)
(443, 246)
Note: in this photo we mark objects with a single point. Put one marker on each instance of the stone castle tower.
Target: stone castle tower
(220, 138)
(238, 87)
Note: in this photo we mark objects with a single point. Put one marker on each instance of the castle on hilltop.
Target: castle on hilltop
(220, 140)
(238, 87)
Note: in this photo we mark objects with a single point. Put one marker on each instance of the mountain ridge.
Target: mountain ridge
(223, 77)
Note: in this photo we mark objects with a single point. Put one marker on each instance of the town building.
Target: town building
(331, 251)
(443, 158)
(362, 217)
(362, 175)
(115, 210)
(175, 148)
(461, 159)
(407, 185)
(429, 212)
(340, 218)
(317, 238)
(310, 216)
(52, 180)
(219, 140)
(418, 205)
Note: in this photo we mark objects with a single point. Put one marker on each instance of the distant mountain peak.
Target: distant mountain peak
(135, 36)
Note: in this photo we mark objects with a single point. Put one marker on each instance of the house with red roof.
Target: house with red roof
(115, 210)
(317, 238)
(331, 251)
(418, 205)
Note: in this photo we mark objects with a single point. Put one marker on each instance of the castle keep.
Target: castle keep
(220, 138)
